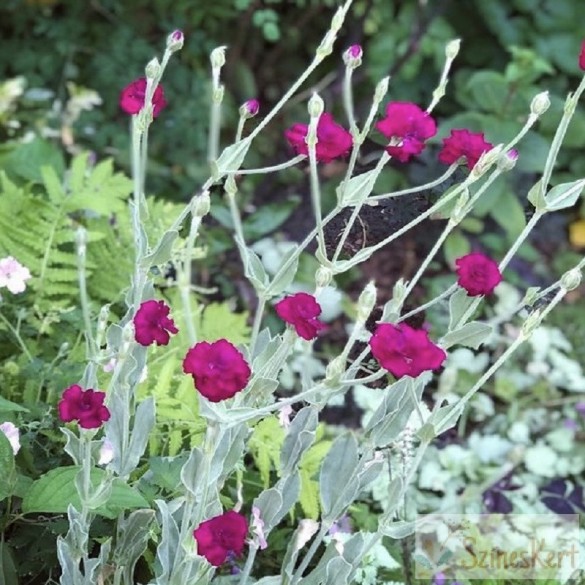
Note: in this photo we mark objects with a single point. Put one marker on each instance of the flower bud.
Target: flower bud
(486, 160)
(452, 49)
(571, 279)
(201, 205)
(316, 106)
(381, 89)
(531, 323)
(507, 160)
(175, 41)
(249, 109)
(323, 276)
(540, 103)
(217, 57)
(335, 369)
(366, 302)
(352, 57)
(152, 69)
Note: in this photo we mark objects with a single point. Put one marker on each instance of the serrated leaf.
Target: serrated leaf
(218, 321)
(53, 492)
(470, 335)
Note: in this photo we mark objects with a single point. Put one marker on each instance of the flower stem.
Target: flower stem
(17, 336)
(264, 170)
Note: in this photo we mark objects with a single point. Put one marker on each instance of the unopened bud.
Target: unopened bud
(366, 302)
(323, 276)
(532, 322)
(452, 49)
(352, 56)
(316, 106)
(335, 369)
(460, 209)
(201, 205)
(217, 57)
(486, 160)
(571, 279)
(175, 41)
(540, 103)
(249, 109)
(507, 160)
(381, 89)
(152, 69)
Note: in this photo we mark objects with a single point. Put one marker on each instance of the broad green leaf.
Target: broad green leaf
(53, 492)
(8, 406)
(27, 160)
(268, 218)
(456, 245)
(489, 90)
(509, 214)
(218, 321)
(470, 335)
(7, 467)
(265, 445)
(8, 572)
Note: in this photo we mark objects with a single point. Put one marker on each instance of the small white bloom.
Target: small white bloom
(12, 434)
(305, 532)
(106, 452)
(110, 365)
(13, 275)
(284, 416)
(258, 529)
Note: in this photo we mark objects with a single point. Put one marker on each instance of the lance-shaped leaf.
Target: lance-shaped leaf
(564, 195)
(470, 335)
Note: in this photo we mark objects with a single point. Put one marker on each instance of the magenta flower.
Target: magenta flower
(582, 57)
(221, 536)
(334, 141)
(219, 370)
(250, 108)
(152, 323)
(478, 274)
(461, 143)
(85, 406)
(408, 123)
(133, 96)
(301, 311)
(405, 351)
(13, 275)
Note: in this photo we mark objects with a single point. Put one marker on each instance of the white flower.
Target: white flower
(13, 275)
(284, 416)
(258, 529)
(106, 452)
(12, 434)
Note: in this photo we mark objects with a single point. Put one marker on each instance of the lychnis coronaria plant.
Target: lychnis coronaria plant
(198, 450)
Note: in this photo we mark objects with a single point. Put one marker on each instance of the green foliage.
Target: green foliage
(56, 490)
(265, 445)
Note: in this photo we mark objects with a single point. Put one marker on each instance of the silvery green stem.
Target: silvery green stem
(532, 118)
(436, 247)
(315, 185)
(348, 100)
(17, 336)
(520, 239)
(248, 565)
(264, 170)
(293, 257)
(439, 92)
(357, 208)
(425, 187)
(186, 277)
(240, 129)
(298, 574)
(570, 106)
(257, 322)
(441, 203)
(81, 239)
(445, 294)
